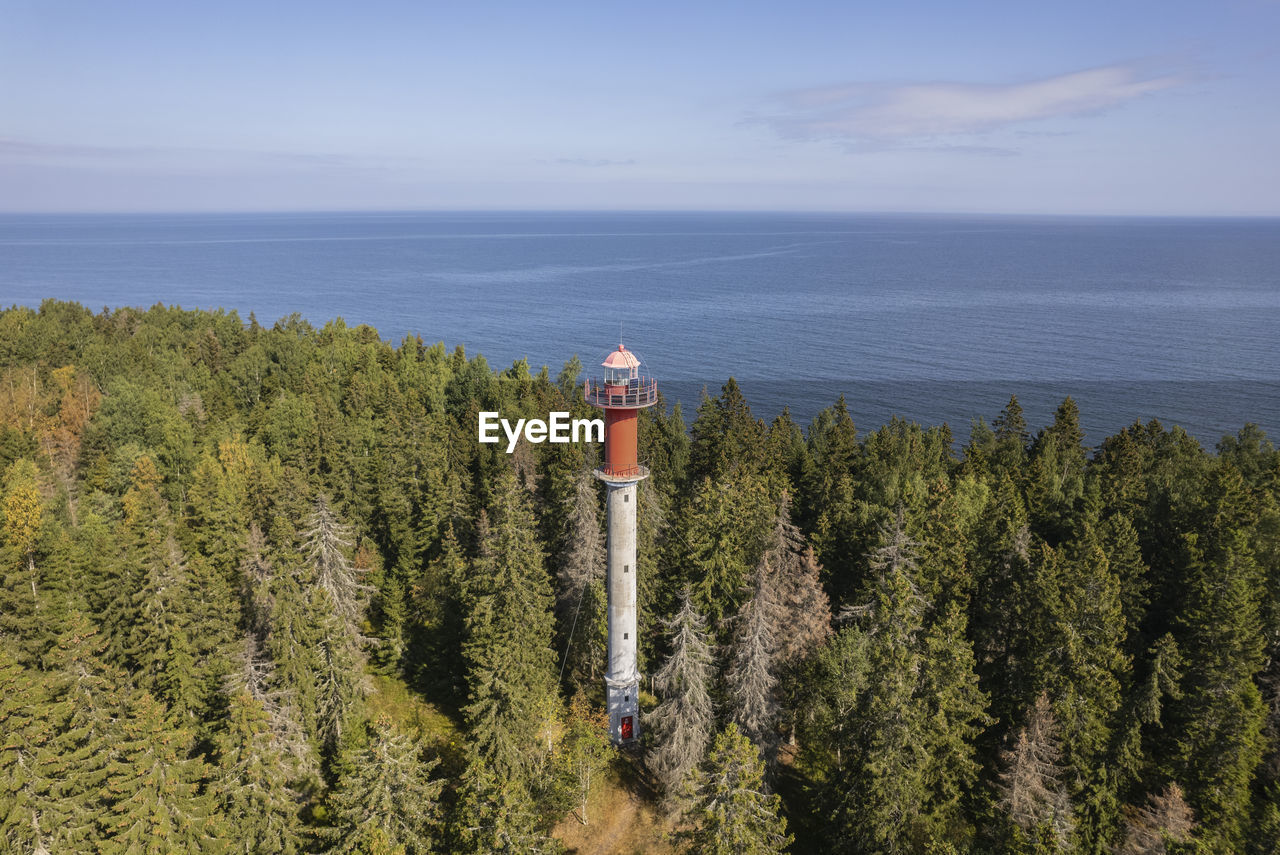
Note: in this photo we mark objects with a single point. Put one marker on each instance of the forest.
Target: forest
(264, 592)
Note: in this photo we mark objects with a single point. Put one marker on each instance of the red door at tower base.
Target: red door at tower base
(626, 727)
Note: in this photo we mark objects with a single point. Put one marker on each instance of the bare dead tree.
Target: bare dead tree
(1032, 794)
(326, 542)
(257, 677)
(1166, 818)
(799, 613)
(751, 680)
(682, 723)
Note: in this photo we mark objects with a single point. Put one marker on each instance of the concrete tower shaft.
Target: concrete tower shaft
(624, 392)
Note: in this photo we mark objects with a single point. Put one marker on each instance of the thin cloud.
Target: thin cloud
(877, 112)
(586, 161)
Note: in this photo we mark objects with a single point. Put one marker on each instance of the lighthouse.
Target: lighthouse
(625, 391)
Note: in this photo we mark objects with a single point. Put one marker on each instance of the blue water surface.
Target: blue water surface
(934, 318)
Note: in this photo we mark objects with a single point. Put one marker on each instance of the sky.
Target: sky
(1118, 107)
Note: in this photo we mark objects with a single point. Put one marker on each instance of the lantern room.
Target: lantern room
(621, 367)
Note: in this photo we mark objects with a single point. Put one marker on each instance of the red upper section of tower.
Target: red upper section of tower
(626, 390)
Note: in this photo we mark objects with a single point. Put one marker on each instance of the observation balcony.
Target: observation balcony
(636, 395)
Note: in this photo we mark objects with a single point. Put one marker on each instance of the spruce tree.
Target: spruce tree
(1033, 796)
(326, 543)
(26, 726)
(86, 697)
(510, 664)
(251, 782)
(879, 799)
(580, 600)
(1221, 715)
(751, 681)
(730, 812)
(385, 797)
(152, 791)
(680, 727)
(1165, 819)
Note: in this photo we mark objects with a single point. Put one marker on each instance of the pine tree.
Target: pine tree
(1033, 795)
(681, 725)
(384, 798)
(730, 812)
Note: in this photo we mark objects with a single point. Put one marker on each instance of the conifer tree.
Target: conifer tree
(726, 436)
(496, 815)
(1056, 478)
(730, 812)
(751, 681)
(85, 697)
(1012, 438)
(384, 798)
(340, 681)
(682, 723)
(879, 799)
(580, 600)
(1079, 656)
(159, 644)
(510, 664)
(1165, 819)
(1033, 794)
(299, 624)
(955, 715)
(21, 597)
(25, 727)
(723, 531)
(152, 790)
(251, 782)
(799, 613)
(1221, 715)
(326, 542)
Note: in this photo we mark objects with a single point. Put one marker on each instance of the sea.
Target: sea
(930, 318)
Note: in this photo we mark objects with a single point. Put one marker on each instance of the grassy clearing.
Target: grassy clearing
(623, 817)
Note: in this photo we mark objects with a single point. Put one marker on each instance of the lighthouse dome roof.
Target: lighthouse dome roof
(621, 358)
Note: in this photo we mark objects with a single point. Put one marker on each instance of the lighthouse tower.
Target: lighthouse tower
(625, 391)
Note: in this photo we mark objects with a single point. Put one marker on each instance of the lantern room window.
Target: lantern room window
(617, 376)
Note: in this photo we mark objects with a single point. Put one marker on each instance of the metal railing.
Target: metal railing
(640, 393)
(623, 473)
